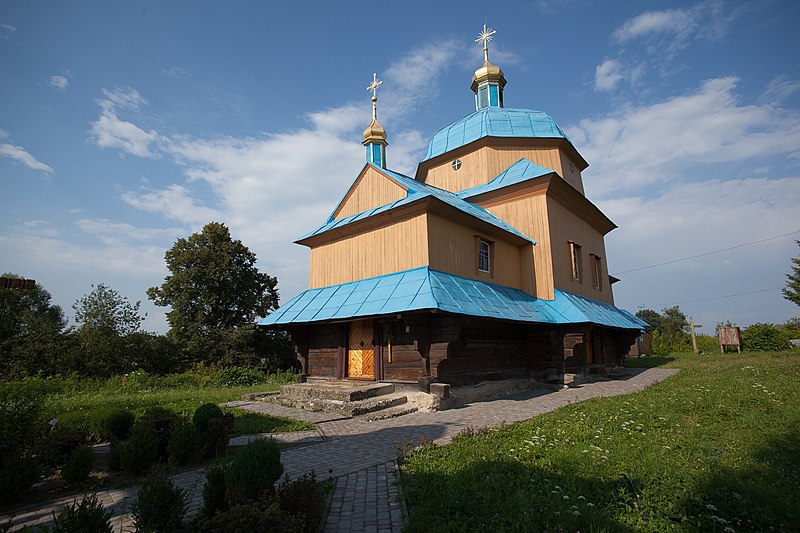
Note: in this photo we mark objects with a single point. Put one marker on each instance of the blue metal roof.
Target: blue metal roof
(520, 171)
(494, 122)
(422, 289)
(417, 191)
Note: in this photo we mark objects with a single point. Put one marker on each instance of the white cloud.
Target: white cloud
(678, 22)
(18, 153)
(7, 31)
(175, 202)
(60, 83)
(607, 74)
(641, 146)
(694, 218)
(109, 131)
(3, 134)
(175, 72)
(113, 233)
(778, 90)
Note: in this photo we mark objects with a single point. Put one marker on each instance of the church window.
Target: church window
(484, 255)
(456, 164)
(597, 270)
(483, 96)
(575, 255)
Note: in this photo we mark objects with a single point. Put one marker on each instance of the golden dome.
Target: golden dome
(488, 72)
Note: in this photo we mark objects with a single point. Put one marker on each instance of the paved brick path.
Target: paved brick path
(361, 455)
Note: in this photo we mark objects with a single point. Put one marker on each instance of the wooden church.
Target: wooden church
(488, 264)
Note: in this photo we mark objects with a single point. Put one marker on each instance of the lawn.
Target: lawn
(183, 399)
(714, 448)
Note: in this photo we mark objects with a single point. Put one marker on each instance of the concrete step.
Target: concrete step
(390, 412)
(343, 391)
(346, 408)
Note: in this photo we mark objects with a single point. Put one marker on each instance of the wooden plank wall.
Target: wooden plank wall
(484, 164)
(453, 249)
(399, 246)
(529, 215)
(570, 227)
(323, 350)
(371, 189)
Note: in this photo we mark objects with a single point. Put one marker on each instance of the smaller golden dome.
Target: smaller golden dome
(374, 132)
(488, 72)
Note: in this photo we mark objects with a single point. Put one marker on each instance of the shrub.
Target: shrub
(214, 491)
(237, 376)
(161, 421)
(253, 472)
(160, 505)
(185, 444)
(252, 518)
(141, 451)
(218, 435)
(99, 425)
(21, 423)
(203, 414)
(77, 468)
(88, 516)
(60, 444)
(17, 475)
(761, 337)
(117, 423)
(304, 499)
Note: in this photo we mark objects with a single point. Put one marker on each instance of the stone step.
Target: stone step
(346, 408)
(390, 412)
(343, 391)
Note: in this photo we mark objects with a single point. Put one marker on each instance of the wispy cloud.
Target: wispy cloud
(709, 126)
(778, 90)
(7, 31)
(58, 82)
(607, 75)
(175, 72)
(680, 23)
(109, 131)
(21, 155)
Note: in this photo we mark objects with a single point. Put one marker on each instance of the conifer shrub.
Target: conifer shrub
(214, 491)
(185, 445)
(78, 466)
(253, 472)
(160, 505)
(218, 435)
(86, 516)
(141, 451)
(252, 517)
(59, 445)
(160, 421)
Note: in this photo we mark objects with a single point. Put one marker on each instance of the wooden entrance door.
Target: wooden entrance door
(360, 350)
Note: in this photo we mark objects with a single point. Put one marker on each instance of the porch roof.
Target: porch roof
(426, 289)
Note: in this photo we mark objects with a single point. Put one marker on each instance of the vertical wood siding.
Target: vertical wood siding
(371, 189)
(399, 246)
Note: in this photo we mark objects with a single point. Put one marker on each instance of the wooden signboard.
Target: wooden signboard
(730, 337)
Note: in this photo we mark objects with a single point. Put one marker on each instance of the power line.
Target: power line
(707, 253)
(718, 297)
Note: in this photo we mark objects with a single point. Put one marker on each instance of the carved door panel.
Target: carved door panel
(360, 350)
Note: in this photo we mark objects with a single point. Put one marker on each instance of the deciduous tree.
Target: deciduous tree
(213, 288)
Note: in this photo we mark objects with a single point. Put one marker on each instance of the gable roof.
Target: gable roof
(426, 289)
(494, 122)
(416, 191)
(520, 171)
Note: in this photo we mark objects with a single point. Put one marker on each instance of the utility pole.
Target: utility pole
(692, 327)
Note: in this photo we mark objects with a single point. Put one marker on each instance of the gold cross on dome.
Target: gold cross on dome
(485, 37)
(374, 85)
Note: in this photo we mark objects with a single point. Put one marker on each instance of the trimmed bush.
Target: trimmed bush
(218, 435)
(253, 472)
(160, 505)
(17, 475)
(99, 425)
(203, 414)
(160, 421)
(88, 516)
(141, 451)
(77, 468)
(185, 445)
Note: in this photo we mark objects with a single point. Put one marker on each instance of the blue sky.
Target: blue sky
(124, 126)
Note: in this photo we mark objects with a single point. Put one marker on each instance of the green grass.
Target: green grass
(714, 448)
(181, 399)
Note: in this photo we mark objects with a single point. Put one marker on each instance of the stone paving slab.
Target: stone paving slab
(356, 452)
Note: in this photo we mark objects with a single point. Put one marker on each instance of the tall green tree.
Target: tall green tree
(106, 322)
(792, 290)
(670, 329)
(31, 330)
(214, 288)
